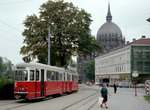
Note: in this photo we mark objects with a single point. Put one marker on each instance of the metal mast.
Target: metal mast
(49, 46)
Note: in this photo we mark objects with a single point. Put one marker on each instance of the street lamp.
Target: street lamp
(135, 74)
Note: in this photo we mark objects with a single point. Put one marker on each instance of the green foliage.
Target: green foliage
(6, 84)
(6, 69)
(70, 33)
(89, 70)
(2, 66)
(6, 89)
(147, 98)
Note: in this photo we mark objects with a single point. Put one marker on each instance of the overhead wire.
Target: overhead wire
(15, 2)
(11, 34)
(10, 26)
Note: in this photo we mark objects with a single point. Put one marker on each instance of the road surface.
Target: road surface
(85, 99)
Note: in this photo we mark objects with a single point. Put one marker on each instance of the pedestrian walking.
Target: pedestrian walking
(115, 87)
(104, 93)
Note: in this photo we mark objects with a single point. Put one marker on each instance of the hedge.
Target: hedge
(6, 89)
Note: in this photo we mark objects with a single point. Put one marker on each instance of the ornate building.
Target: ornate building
(109, 34)
(110, 37)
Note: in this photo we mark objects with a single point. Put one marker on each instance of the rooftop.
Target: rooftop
(142, 41)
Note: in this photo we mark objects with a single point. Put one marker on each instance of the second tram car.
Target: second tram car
(35, 80)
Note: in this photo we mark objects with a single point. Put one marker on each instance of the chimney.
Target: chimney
(134, 39)
(143, 37)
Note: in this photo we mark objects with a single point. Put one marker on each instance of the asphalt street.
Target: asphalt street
(85, 99)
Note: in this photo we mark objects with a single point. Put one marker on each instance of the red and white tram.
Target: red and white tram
(35, 80)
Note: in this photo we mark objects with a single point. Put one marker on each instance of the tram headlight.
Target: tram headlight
(22, 89)
(19, 89)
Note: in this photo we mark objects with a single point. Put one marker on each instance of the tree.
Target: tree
(89, 70)
(2, 66)
(70, 33)
(6, 69)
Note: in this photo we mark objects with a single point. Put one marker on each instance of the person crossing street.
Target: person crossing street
(104, 93)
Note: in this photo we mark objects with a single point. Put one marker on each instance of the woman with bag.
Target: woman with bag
(104, 94)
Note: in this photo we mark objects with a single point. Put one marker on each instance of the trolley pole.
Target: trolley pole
(49, 45)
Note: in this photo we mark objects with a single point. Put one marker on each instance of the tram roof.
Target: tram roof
(38, 65)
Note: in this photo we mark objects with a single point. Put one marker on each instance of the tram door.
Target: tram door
(42, 82)
(65, 88)
(36, 83)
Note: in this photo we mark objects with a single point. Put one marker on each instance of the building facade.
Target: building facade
(110, 37)
(119, 64)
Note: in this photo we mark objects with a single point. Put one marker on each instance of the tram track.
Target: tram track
(94, 95)
(7, 103)
(81, 102)
(15, 101)
(92, 105)
(17, 106)
(21, 103)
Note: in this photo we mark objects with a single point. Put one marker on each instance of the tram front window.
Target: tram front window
(21, 75)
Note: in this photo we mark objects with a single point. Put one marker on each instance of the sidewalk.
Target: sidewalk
(125, 101)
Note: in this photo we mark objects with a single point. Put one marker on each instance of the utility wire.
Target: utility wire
(10, 26)
(15, 2)
(12, 34)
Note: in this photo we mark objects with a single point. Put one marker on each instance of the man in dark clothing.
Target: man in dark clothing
(115, 87)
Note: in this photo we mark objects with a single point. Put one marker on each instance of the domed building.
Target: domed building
(110, 37)
(109, 34)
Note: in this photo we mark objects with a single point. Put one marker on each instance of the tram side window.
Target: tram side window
(49, 75)
(74, 78)
(24, 75)
(18, 76)
(31, 75)
(64, 77)
(53, 76)
(56, 76)
(68, 77)
(21, 75)
(60, 77)
(37, 75)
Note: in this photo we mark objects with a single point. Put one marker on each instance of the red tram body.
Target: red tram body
(35, 80)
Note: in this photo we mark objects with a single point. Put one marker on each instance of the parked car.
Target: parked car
(123, 86)
(139, 85)
(96, 83)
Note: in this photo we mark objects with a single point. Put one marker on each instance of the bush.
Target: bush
(147, 98)
(6, 89)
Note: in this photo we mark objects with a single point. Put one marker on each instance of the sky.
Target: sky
(129, 15)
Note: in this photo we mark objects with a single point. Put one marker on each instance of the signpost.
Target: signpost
(135, 74)
(147, 87)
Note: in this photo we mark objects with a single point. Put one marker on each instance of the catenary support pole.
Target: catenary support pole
(49, 45)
